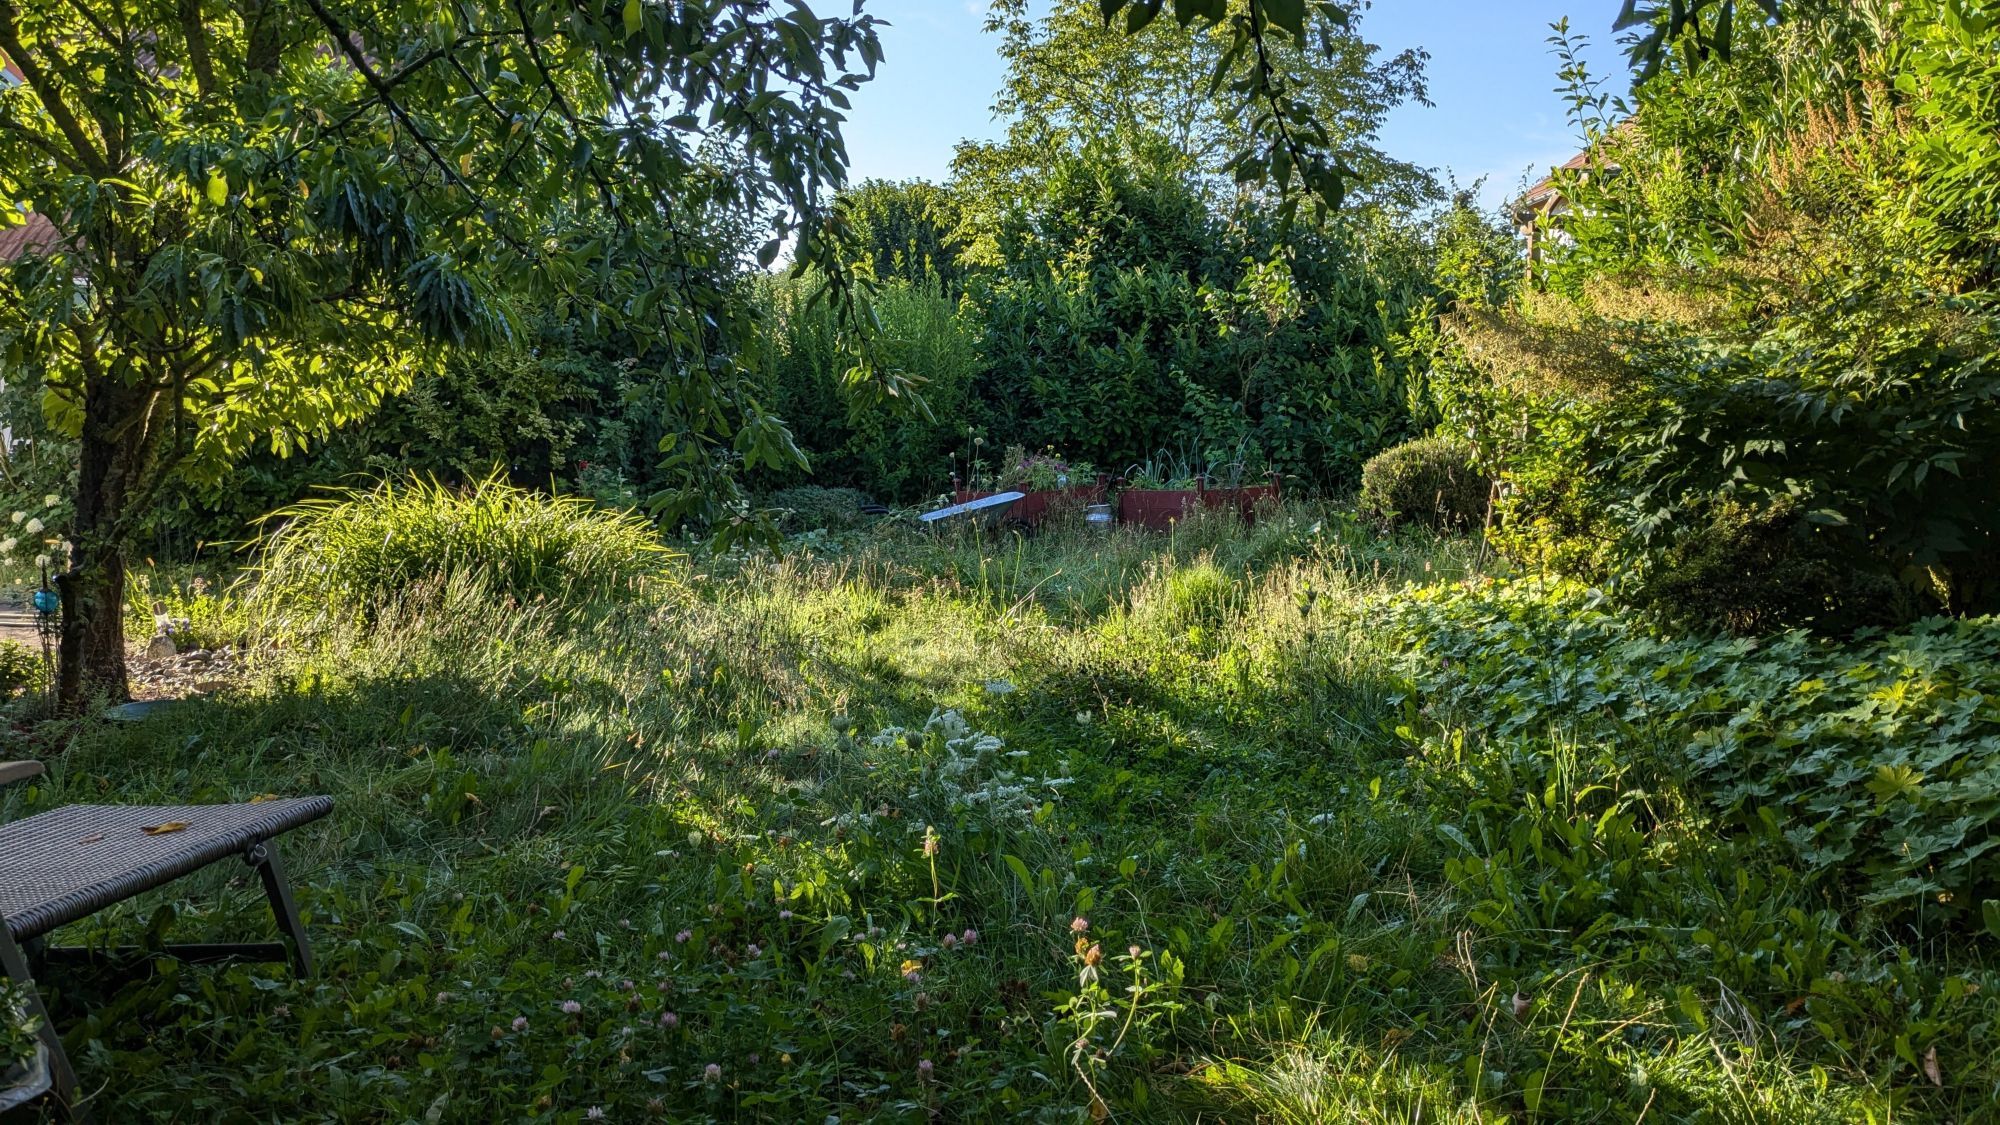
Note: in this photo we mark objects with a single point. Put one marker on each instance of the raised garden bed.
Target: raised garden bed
(1159, 508)
(1039, 505)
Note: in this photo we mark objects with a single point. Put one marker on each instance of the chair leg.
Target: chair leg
(264, 857)
(62, 1077)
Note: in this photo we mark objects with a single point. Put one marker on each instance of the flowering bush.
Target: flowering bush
(33, 533)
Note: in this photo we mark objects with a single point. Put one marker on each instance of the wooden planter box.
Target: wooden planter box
(1158, 508)
(1034, 507)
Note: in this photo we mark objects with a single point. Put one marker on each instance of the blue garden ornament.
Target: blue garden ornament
(47, 602)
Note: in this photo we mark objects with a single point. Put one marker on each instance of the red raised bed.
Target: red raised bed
(1034, 507)
(1158, 508)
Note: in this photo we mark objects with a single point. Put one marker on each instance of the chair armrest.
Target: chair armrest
(11, 772)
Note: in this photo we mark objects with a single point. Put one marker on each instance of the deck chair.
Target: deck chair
(66, 864)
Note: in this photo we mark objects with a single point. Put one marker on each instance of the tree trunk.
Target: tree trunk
(112, 457)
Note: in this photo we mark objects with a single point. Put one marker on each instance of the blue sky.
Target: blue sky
(1492, 78)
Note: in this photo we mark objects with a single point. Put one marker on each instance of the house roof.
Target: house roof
(36, 235)
(1545, 191)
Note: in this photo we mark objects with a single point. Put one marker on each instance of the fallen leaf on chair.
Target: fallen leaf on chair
(92, 838)
(163, 829)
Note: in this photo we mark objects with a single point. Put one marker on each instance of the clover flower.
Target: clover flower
(924, 1069)
(33, 527)
(520, 1023)
(670, 1020)
(571, 1007)
(712, 1072)
(684, 936)
(971, 937)
(1079, 925)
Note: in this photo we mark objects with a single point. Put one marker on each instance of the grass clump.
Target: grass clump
(344, 554)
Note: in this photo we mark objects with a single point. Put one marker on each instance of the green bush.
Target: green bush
(809, 506)
(20, 668)
(886, 451)
(346, 553)
(1751, 570)
(1430, 481)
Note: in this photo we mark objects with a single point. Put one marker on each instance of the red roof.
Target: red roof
(1545, 189)
(38, 234)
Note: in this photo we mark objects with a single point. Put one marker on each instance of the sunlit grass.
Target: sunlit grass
(1209, 772)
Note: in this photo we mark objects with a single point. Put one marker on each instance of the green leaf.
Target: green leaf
(218, 187)
(1287, 15)
(635, 18)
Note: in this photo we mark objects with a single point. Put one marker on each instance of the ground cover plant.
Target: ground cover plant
(892, 827)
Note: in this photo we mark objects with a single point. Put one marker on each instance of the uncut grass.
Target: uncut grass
(625, 771)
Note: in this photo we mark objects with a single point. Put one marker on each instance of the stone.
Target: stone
(161, 648)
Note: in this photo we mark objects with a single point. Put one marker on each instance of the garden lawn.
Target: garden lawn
(1150, 827)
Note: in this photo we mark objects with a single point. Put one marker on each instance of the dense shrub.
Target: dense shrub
(1773, 306)
(887, 451)
(809, 506)
(20, 669)
(1751, 570)
(344, 554)
(1874, 762)
(1432, 481)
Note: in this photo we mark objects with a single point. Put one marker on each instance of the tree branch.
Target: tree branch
(49, 92)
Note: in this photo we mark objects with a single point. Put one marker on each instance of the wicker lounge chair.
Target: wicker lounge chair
(67, 863)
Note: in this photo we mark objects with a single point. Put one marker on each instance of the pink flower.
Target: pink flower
(559, 935)
(1079, 925)
(665, 986)
(948, 941)
(924, 1069)
(684, 937)
(755, 1058)
(663, 955)
(520, 1023)
(626, 986)
(784, 915)
(571, 1007)
(670, 1020)
(753, 951)
(712, 1072)
(971, 937)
